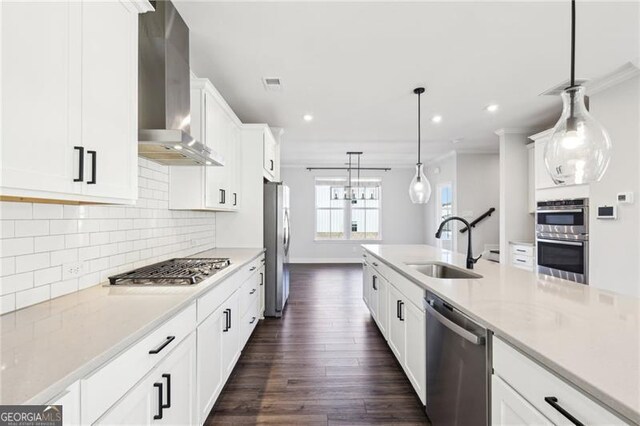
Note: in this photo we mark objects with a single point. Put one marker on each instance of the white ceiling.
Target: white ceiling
(354, 65)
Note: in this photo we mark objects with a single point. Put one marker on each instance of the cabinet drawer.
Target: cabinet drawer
(522, 261)
(522, 250)
(249, 321)
(210, 301)
(535, 383)
(249, 292)
(104, 387)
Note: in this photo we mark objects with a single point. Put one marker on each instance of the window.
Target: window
(445, 210)
(340, 219)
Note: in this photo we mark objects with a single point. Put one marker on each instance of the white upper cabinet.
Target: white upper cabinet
(215, 125)
(72, 66)
(271, 156)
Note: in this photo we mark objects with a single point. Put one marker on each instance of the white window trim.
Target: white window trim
(347, 220)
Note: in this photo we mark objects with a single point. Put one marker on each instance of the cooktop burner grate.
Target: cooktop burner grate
(172, 272)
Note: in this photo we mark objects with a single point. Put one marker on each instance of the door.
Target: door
(40, 118)
(177, 373)
(509, 408)
(109, 99)
(396, 324)
(210, 375)
(415, 349)
(444, 210)
(383, 312)
(230, 335)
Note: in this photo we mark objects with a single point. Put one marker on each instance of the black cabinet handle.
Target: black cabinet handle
(80, 177)
(168, 404)
(253, 290)
(261, 278)
(227, 320)
(401, 311)
(553, 401)
(160, 406)
(520, 250)
(398, 309)
(374, 264)
(271, 165)
(253, 268)
(94, 158)
(223, 196)
(373, 282)
(521, 261)
(235, 198)
(253, 319)
(163, 345)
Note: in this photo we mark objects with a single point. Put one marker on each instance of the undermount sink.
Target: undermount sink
(443, 271)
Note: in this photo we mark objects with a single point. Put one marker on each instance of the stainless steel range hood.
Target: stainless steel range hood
(164, 108)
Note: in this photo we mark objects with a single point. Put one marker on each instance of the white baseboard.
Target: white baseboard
(325, 260)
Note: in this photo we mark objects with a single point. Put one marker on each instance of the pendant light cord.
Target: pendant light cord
(419, 129)
(573, 43)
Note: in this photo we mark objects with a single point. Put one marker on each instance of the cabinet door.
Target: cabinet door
(366, 279)
(269, 148)
(137, 407)
(396, 324)
(210, 377)
(509, 408)
(383, 311)
(177, 372)
(231, 337)
(215, 139)
(415, 349)
(531, 177)
(261, 308)
(374, 285)
(40, 63)
(109, 99)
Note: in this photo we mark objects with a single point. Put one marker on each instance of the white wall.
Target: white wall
(515, 221)
(478, 181)
(615, 245)
(38, 239)
(402, 221)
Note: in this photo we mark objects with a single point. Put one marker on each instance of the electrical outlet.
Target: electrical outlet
(72, 270)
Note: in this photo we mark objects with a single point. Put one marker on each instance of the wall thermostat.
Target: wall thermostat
(607, 212)
(625, 197)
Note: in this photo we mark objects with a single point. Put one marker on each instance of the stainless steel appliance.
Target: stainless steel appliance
(179, 271)
(562, 239)
(458, 366)
(277, 238)
(164, 91)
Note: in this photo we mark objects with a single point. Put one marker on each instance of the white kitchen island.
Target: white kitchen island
(588, 339)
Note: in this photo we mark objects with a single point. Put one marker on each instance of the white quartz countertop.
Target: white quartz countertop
(588, 336)
(46, 347)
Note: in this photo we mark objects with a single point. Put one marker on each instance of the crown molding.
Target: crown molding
(615, 77)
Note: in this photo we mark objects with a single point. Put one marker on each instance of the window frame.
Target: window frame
(347, 214)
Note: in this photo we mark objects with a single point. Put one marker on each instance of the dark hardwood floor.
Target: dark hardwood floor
(324, 363)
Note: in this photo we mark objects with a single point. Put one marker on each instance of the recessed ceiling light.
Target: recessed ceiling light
(436, 118)
(492, 108)
(307, 117)
(177, 147)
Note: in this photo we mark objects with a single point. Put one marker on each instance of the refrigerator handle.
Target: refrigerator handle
(287, 232)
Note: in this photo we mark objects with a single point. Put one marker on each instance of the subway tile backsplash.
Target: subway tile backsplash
(41, 243)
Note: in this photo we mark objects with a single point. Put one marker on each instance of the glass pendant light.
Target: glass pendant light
(420, 188)
(579, 149)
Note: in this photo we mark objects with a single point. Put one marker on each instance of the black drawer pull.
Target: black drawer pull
(253, 268)
(227, 320)
(271, 165)
(398, 309)
(401, 313)
(163, 345)
(261, 278)
(553, 401)
(160, 406)
(168, 404)
(235, 198)
(253, 290)
(94, 159)
(375, 264)
(223, 196)
(253, 319)
(373, 282)
(521, 261)
(80, 177)
(521, 251)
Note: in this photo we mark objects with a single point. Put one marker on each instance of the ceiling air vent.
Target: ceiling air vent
(272, 83)
(559, 88)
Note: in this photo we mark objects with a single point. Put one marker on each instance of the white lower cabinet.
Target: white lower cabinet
(399, 319)
(70, 401)
(509, 408)
(167, 395)
(527, 390)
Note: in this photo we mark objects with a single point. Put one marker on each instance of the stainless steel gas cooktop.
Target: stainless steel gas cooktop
(182, 271)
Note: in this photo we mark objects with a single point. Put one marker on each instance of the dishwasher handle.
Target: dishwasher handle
(460, 331)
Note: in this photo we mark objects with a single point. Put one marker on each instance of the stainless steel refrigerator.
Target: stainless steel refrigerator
(277, 237)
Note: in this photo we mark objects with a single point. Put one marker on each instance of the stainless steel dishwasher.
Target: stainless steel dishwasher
(458, 366)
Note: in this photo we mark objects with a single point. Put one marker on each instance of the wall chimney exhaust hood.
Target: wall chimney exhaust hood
(164, 104)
